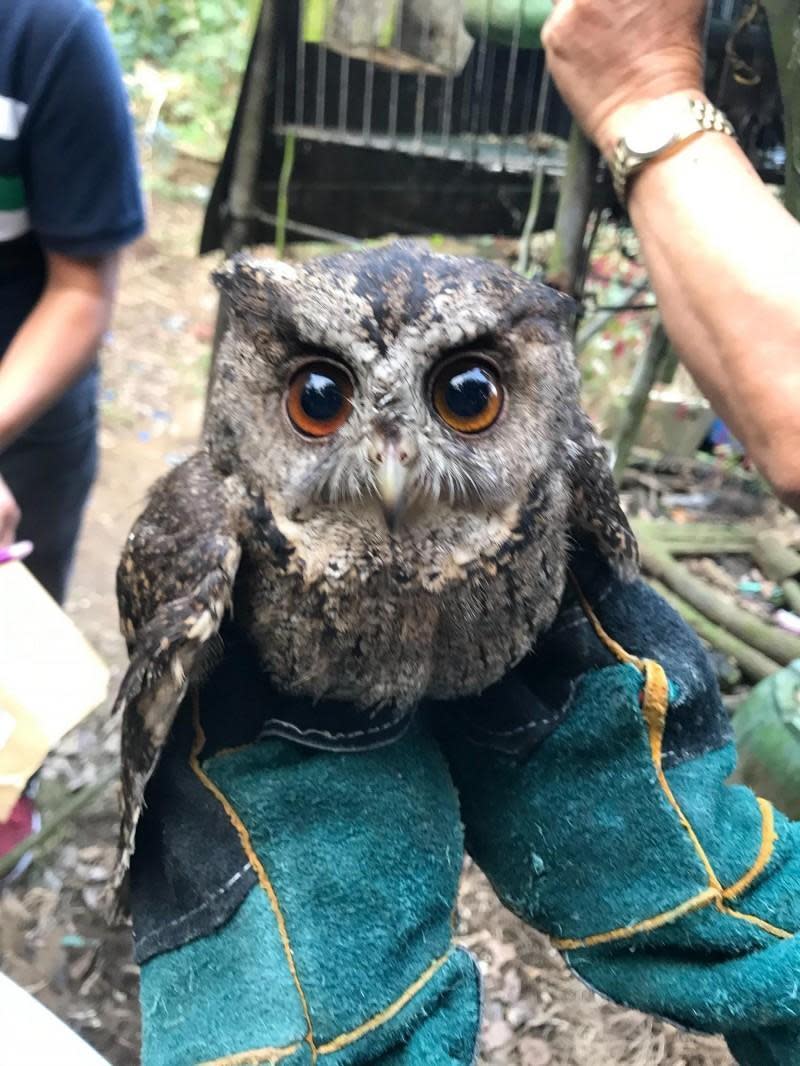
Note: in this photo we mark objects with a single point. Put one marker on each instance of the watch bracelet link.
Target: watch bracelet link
(706, 119)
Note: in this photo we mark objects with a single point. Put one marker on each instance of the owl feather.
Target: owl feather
(174, 585)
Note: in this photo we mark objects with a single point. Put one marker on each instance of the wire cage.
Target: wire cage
(490, 110)
(391, 137)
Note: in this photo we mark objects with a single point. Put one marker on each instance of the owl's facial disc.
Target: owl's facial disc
(394, 444)
(431, 392)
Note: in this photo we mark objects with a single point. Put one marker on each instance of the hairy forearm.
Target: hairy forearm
(56, 342)
(724, 258)
(723, 255)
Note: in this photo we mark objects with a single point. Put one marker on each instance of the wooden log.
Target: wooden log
(754, 665)
(697, 538)
(645, 376)
(572, 215)
(772, 642)
(773, 557)
(791, 592)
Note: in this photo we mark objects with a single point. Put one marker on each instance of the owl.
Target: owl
(393, 469)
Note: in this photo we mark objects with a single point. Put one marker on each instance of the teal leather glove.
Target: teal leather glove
(665, 889)
(292, 904)
(331, 940)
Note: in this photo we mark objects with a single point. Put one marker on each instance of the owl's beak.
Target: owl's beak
(391, 478)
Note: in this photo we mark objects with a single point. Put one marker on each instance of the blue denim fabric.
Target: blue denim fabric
(50, 470)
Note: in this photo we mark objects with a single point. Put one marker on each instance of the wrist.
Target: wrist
(634, 111)
(660, 130)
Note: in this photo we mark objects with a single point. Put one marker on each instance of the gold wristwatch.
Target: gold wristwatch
(658, 130)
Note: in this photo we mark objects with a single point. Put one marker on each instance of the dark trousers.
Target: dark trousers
(50, 470)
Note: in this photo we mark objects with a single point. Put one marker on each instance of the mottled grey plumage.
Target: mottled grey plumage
(291, 530)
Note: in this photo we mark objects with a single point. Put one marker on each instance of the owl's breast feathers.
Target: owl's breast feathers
(346, 612)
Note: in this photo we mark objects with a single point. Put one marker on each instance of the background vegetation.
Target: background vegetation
(183, 61)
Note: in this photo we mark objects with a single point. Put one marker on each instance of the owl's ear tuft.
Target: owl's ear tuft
(563, 306)
(251, 283)
(596, 511)
(554, 311)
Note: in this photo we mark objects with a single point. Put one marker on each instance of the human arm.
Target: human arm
(54, 344)
(57, 341)
(82, 196)
(723, 255)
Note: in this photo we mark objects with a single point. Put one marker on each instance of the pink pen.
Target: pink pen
(15, 552)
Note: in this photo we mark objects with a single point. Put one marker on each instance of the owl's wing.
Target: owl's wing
(596, 510)
(174, 584)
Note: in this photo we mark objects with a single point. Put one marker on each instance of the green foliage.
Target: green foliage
(200, 46)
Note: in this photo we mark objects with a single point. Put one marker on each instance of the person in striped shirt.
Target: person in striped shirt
(69, 201)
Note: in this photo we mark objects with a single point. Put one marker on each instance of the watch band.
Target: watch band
(701, 117)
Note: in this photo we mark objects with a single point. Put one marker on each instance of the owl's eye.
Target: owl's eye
(320, 399)
(467, 395)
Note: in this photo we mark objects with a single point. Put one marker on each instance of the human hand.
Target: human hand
(9, 515)
(611, 57)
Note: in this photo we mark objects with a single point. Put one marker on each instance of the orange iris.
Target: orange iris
(467, 395)
(319, 400)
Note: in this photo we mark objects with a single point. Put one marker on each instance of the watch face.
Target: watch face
(652, 133)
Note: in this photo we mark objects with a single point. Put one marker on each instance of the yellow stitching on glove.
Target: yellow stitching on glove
(655, 707)
(377, 1020)
(268, 1055)
(768, 840)
(255, 862)
(768, 927)
(702, 899)
(616, 649)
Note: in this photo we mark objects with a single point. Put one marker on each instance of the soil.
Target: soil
(53, 937)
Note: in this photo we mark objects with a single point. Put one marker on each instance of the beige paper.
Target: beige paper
(50, 679)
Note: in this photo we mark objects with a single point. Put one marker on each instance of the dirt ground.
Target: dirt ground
(53, 939)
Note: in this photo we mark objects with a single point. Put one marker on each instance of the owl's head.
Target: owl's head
(395, 388)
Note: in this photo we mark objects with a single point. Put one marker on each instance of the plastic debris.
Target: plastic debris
(175, 323)
(750, 588)
(788, 620)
